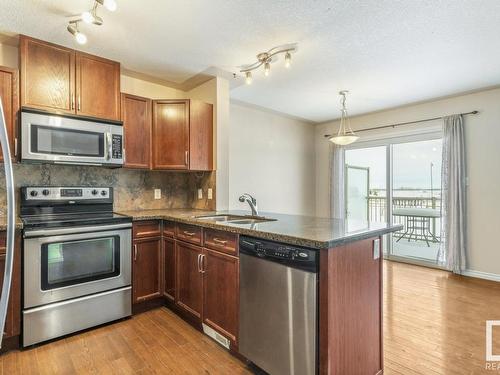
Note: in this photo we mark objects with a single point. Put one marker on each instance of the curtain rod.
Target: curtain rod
(405, 123)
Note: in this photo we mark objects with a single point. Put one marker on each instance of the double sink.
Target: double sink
(234, 219)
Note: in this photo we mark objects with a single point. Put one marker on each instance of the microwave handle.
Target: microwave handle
(108, 145)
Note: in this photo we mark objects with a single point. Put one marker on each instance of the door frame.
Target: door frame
(346, 184)
(388, 143)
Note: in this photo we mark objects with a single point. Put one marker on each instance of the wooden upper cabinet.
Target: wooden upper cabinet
(47, 75)
(136, 117)
(9, 93)
(170, 134)
(182, 135)
(97, 87)
(60, 79)
(200, 136)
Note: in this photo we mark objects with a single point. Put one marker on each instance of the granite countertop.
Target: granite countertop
(3, 222)
(308, 231)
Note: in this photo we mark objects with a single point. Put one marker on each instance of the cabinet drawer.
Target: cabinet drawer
(222, 241)
(189, 233)
(148, 228)
(168, 228)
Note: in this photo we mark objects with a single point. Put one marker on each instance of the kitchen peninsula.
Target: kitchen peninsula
(349, 299)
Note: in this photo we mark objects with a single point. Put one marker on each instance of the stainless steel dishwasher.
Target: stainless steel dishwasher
(278, 306)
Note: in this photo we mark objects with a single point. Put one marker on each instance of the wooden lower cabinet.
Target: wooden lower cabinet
(13, 321)
(146, 255)
(220, 293)
(189, 281)
(169, 268)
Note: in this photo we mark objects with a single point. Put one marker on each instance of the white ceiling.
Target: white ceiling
(387, 53)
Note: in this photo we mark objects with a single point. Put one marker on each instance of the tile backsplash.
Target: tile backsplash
(133, 189)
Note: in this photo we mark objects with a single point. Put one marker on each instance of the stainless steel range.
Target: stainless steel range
(77, 261)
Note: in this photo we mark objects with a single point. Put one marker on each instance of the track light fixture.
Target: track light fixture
(90, 17)
(266, 58)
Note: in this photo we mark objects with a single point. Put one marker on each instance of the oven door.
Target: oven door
(61, 265)
(63, 140)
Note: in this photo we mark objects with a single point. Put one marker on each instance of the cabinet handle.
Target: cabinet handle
(190, 234)
(203, 262)
(186, 157)
(135, 252)
(199, 263)
(15, 147)
(72, 101)
(219, 241)
(79, 106)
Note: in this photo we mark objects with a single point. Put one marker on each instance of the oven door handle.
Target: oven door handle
(77, 230)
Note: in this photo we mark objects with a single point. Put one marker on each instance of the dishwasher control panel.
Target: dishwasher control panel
(293, 256)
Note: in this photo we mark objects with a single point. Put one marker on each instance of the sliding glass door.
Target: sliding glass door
(403, 178)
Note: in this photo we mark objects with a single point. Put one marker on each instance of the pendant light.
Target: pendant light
(345, 135)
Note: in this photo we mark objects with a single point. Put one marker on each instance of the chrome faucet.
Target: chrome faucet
(252, 202)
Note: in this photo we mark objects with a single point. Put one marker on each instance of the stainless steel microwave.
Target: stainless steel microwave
(65, 139)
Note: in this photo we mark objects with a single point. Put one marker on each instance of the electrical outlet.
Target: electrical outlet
(200, 194)
(157, 193)
(209, 193)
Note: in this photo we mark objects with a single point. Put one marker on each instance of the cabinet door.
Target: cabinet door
(200, 136)
(13, 321)
(136, 117)
(171, 134)
(188, 288)
(169, 268)
(10, 101)
(97, 87)
(220, 293)
(47, 75)
(146, 269)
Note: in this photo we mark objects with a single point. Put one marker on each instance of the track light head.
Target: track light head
(288, 59)
(267, 68)
(79, 37)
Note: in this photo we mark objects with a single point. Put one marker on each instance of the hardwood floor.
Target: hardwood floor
(434, 323)
(155, 342)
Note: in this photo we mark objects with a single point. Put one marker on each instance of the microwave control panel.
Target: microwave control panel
(117, 147)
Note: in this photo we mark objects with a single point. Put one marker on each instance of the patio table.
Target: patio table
(418, 219)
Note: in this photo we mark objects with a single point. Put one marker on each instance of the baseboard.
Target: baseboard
(481, 275)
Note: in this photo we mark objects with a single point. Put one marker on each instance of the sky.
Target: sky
(411, 164)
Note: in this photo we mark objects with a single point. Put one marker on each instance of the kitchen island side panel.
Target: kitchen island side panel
(350, 309)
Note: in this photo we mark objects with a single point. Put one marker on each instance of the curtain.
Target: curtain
(337, 180)
(452, 252)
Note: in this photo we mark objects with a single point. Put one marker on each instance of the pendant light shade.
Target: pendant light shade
(345, 135)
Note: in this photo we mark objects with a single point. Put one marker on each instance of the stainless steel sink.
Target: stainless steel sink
(234, 219)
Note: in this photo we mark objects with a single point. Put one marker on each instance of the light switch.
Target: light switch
(200, 194)
(157, 193)
(209, 193)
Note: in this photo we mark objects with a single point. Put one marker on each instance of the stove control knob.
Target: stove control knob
(94, 192)
(46, 192)
(34, 193)
(103, 192)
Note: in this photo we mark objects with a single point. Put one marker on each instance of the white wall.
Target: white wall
(271, 157)
(483, 159)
